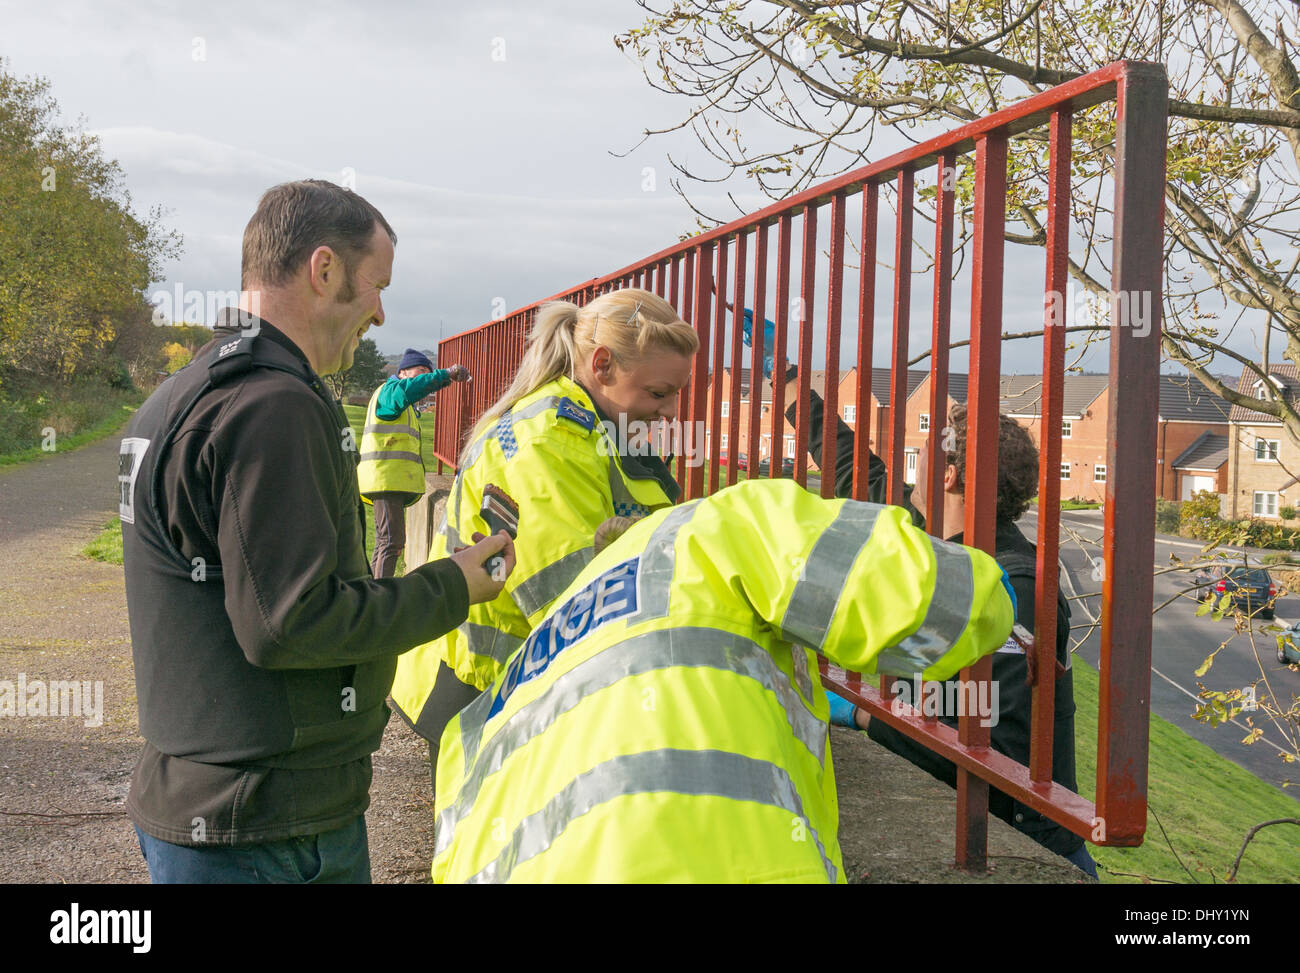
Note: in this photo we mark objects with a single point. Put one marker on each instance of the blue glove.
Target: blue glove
(841, 711)
(769, 340)
(1011, 593)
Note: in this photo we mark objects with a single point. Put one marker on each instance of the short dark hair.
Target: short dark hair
(1017, 462)
(294, 218)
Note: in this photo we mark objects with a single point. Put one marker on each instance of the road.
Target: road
(1181, 642)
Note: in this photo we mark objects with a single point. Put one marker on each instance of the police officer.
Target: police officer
(569, 442)
(666, 722)
(391, 468)
(263, 647)
(1017, 483)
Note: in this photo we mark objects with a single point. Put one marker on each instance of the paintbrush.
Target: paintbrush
(500, 513)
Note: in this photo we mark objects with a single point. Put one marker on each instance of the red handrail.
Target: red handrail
(692, 276)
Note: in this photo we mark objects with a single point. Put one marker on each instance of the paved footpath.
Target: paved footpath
(63, 617)
(63, 783)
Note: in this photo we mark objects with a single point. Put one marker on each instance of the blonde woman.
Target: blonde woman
(568, 442)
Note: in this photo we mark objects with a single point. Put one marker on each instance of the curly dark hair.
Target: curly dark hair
(1017, 462)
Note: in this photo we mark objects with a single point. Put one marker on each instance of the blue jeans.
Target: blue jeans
(341, 856)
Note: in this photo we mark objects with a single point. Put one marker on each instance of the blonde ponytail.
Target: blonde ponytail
(630, 322)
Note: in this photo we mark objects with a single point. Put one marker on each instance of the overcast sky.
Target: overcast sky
(483, 131)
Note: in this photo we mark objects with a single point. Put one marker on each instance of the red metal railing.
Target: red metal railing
(685, 275)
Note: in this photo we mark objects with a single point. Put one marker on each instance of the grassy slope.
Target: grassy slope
(1205, 803)
(110, 423)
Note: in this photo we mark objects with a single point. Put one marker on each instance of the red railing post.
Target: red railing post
(757, 350)
(714, 436)
(834, 299)
(1049, 467)
(737, 343)
(902, 322)
(981, 471)
(807, 293)
(703, 290)
(939, 335)
(1136, 304)
(779, 344)
(866, 333)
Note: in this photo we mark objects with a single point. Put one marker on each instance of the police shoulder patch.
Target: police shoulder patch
(568, 409)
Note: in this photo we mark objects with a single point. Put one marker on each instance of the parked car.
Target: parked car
(1205, 580)
(742, 461)
(1252, 590)
(787, 468)
(1288, 646)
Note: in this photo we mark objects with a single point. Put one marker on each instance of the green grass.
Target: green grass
(1073, 504)
(1205, 803)
(1280, 558)
(107, 545)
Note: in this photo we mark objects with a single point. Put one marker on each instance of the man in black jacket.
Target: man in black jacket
(264, 649)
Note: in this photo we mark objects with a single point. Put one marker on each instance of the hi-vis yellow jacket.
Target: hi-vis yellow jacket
(390, 453)
(553, 457)
(666, 721)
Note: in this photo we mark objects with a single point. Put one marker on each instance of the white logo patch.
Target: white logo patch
(128, 467)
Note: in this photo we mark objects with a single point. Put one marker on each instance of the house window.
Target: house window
(925, 422)
(1067, 430)
(850, 413)
(909, 466)
(1099, 473)
(724, 440)
(789, 446)
(1266, 449)
(1265, 503)
(1065, 471)
(726, 411)
(764, 447)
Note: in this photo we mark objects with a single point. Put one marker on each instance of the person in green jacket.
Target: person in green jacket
(391, 467)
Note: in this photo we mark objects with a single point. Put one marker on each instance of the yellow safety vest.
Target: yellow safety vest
(552, 456)
(390, 459)
(666, 721)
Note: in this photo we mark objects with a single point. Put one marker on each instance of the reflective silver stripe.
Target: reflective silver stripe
(391, 454)
(391, 428)
(946, 617)
(799, 660)
(665, 648)
(488, 641)
(449, 533)
(693, 772)
(472, 453)
(812, 605)
(658, 562)
(453, 516)
(535, 593)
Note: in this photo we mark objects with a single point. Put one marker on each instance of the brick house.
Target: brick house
(1262, 462)
(1192, 431)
